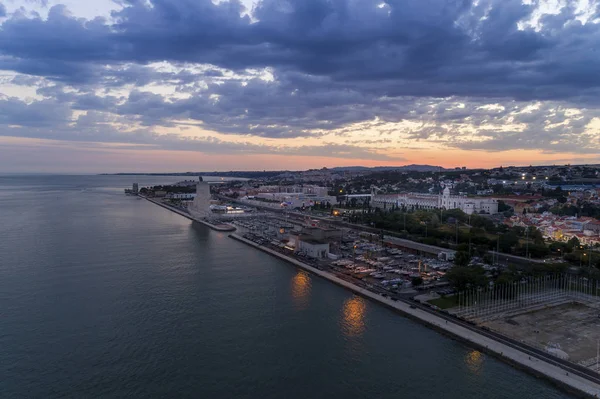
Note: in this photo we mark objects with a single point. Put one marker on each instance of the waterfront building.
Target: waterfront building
(469, 205)
(200, 207)
(313, 248)
(181, 196)
(295, 200)
(135, 189)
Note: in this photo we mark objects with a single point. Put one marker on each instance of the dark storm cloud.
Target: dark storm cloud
(334, 63)
(423, 48)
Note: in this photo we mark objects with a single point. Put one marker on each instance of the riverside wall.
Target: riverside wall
(567, 381)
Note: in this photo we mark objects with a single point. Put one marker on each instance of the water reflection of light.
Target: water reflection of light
(474, 361)
(301, 289)
(354, 315)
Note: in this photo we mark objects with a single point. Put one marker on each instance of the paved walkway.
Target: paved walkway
(538, 366)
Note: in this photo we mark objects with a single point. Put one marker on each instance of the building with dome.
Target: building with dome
(446, 200)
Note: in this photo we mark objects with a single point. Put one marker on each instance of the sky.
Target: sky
(201, 85)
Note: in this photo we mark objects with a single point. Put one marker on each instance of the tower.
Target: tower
(444, 199)
(201, 206)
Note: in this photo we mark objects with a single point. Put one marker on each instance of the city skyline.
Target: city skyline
(177, 85)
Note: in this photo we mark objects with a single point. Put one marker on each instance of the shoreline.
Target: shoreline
(557, 375)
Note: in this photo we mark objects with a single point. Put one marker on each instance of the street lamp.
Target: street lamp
(527, 242)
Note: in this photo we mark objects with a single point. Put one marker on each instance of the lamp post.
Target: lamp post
(527, 242)
(589, 259)
(456, 225)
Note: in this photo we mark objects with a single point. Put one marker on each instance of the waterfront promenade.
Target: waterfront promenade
(532, 361)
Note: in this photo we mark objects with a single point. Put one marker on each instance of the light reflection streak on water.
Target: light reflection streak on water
(474, 361)
(301, 290)
(354, 316)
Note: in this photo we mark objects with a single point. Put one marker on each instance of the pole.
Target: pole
(469, 242)
(527, 242)
(456, 231)
(498, 250)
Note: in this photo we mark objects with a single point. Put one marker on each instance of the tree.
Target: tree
(462, 258)
(507, 241)
(535, 235)
(463, 277)
(416, 281)
(502, 207)
(573, 242)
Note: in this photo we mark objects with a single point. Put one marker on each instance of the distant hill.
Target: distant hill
(408, 168)
(273, 173)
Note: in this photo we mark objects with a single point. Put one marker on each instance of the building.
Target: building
(469, 205)
(313, 248)
(182, 196)
(135, 189)
(200, 207)
(296, 200)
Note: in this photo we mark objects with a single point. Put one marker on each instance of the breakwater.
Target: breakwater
(528, 361)
(217, 227)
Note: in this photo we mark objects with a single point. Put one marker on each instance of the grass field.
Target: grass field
(444, 302)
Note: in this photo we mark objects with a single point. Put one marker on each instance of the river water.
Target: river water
(108, 296)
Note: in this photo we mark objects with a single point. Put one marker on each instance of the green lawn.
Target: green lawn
(452, 229)
(444, 302)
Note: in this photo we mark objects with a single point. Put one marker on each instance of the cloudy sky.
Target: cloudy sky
(177, 85)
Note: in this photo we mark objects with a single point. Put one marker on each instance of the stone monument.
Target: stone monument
(200, 208)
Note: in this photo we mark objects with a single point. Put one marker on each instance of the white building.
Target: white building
(313, 248)
(469, 205)
(201, 205)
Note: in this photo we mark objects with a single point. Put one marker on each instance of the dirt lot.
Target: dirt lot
(575, 327)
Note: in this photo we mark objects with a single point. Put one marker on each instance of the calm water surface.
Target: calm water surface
(108, 296)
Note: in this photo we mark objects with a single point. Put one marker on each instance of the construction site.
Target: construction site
(558, 314)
